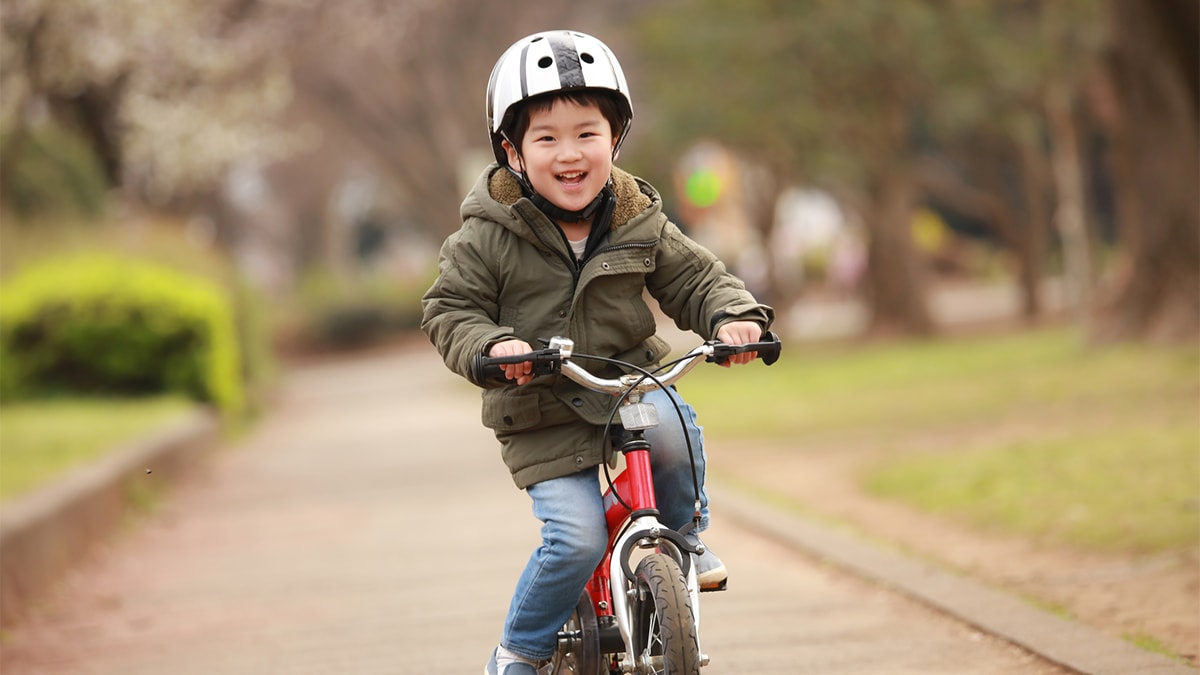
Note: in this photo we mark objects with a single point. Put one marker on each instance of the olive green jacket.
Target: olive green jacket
(508, 273)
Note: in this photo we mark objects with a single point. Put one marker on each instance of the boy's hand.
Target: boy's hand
(521, 372)
(740, 333)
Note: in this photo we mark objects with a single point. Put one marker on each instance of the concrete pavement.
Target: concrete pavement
(368, 526)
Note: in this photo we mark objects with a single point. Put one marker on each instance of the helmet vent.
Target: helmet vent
(587, 58)
(545, 62)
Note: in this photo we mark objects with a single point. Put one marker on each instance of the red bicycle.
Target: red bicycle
(640, 612)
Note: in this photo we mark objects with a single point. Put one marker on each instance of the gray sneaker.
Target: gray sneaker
(517, 668)
(711, 574)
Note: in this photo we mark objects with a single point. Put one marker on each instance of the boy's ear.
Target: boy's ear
(514, 157)
(616, 151)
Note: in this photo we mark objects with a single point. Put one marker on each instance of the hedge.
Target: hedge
(101, 324)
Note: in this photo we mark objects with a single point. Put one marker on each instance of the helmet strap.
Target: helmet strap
(564, 216)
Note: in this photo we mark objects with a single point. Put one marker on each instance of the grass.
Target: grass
(41, 441)
(1152, 644)
(1132, 488)
(1031, 433)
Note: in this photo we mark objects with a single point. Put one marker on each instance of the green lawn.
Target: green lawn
(1033, 433)
(40, 441)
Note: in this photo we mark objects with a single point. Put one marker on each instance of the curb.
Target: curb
(1061, 641)
(43, 534)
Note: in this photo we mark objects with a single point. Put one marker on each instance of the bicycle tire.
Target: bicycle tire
(664, 630)
(580, 654)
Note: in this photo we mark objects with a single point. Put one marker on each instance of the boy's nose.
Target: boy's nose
(569, 151)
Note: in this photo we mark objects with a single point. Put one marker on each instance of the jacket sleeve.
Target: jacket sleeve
(694, 288)
(460, 310)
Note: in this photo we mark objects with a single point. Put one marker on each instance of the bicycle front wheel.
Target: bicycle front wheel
(664, 623)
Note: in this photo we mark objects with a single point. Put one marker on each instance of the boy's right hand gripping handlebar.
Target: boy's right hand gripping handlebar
(490, 368)
(486, 369)
(768, 349)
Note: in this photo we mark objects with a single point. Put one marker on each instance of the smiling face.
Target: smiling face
(566, 153)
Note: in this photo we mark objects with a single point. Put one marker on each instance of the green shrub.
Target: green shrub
(330, 315)
(101, 324)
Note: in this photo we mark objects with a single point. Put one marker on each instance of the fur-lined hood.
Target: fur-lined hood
(633, 194)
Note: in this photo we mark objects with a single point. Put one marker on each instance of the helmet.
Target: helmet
(548, 62)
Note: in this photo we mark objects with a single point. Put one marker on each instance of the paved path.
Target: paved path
(368, 526)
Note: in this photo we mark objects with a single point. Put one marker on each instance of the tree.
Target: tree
(167, 95)
(842, 94)
(1012, 139)
(1154, 64)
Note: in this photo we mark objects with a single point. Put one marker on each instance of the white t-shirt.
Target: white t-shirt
(578, 247)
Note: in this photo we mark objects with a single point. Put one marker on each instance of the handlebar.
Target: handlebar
(557, 357)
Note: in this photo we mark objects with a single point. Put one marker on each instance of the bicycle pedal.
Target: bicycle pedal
(713, 588)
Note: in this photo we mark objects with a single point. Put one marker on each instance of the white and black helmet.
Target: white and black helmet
(548, 62)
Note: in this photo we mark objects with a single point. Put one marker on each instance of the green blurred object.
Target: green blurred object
(45, 439)
(703, 188)
(100, 324)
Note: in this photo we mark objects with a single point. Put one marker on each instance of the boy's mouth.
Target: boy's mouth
(572, 178)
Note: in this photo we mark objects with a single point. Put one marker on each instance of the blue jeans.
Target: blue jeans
(575, 536)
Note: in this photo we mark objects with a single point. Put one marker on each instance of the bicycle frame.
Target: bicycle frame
(612, 620)
(630, 505)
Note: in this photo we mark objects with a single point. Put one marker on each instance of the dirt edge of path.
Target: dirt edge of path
(1151, 600)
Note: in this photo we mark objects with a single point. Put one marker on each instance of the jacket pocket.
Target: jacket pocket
(505, 410)
(652, 350)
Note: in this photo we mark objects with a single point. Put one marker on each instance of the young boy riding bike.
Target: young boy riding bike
(557, 241)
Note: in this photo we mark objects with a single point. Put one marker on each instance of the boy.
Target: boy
(557, 241)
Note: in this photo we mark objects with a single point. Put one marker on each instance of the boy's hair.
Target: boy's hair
(606, 102)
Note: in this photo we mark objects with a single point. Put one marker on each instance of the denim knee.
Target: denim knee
(581, 545)
(573, 527)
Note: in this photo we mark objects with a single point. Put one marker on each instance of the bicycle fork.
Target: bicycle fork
(632, 516)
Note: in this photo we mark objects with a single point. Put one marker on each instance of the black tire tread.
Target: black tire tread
(664, 581)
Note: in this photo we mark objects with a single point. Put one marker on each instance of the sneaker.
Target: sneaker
(514, 668)
(711, 574)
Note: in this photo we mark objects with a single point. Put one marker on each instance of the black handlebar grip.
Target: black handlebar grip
(486, 369)
(769, 348)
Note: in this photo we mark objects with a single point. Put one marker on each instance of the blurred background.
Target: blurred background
(311, 156)
(196, 193)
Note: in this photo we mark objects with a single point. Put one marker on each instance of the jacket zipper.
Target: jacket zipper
(631, 244)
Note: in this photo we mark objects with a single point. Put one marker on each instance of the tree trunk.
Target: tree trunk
(1068, 215)
(1155, 72)
(763, 187)
(895, 280)
(1032, 249)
